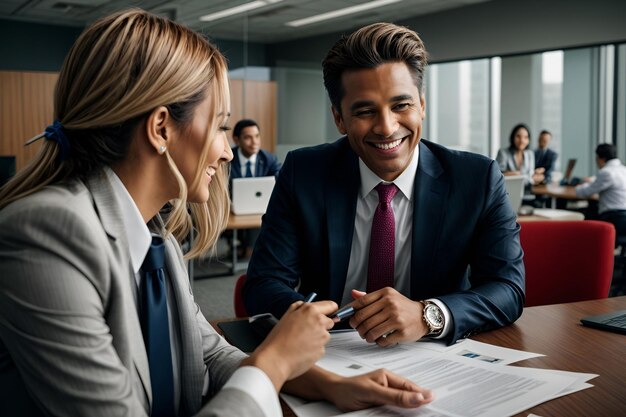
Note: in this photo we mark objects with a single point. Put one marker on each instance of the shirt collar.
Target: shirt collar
(613, 162)
(243, 159)
(404, 182)
(136, 230)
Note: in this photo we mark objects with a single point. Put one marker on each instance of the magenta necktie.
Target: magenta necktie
(380, 266)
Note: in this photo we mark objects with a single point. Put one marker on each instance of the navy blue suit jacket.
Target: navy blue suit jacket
(266, 165)
(546, 160)
(465, 241)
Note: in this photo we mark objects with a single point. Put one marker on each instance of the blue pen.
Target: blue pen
(343, 313)
(310, 297)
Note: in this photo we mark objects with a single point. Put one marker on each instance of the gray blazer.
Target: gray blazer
(506, 161)
(70, 337)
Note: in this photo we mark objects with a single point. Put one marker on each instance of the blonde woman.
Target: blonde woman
(89, 324)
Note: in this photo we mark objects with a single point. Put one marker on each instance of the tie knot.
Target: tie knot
(155, 258)
(386, 192)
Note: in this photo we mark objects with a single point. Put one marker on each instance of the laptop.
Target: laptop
(614, 322)
(251, 195)
(514, 186)
(567, 177)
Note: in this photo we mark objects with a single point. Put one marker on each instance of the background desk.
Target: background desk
(567, 192)
(235, 223)
(555, 331)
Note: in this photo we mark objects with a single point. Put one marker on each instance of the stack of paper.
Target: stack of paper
(468, 379)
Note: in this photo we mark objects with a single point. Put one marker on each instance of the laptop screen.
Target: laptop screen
(571, 163)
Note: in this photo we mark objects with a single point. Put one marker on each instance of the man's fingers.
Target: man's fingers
(325, 307)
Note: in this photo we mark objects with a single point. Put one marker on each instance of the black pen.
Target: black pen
(343, 313)
(310, 297)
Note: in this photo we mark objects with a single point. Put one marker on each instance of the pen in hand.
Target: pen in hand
(309, 298)
(343, 313)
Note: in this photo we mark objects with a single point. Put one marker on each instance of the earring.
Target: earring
(162, 149)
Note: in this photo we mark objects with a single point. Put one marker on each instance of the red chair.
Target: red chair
(240, 309)
(567, 261)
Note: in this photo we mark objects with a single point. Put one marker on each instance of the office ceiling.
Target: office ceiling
(265, 24)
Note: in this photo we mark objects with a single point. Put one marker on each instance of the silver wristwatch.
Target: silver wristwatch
(433, 317)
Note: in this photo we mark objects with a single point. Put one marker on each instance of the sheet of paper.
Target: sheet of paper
(468, 378)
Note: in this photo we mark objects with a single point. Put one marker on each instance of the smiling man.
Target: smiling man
(419, 239)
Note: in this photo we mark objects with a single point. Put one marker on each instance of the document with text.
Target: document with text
(468, 379)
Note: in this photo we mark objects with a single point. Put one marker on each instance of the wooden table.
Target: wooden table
(555, 331)
(567, 192)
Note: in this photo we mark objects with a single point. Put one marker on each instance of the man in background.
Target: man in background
(544, 156)
(419, 239)
(249, 160)
(610, 184)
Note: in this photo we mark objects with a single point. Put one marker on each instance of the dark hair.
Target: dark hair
(242, 124)
(369, 47)
(606, 151)
(544, 132)
(514, 131)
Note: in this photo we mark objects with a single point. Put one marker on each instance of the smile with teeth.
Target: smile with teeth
(210, 172)
(387, 146)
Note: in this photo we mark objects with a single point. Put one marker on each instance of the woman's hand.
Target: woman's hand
(380, 387)
(295, 343)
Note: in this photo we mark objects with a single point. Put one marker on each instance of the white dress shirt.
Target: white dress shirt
(610, 183)
(402, 205)
(248, 379)
(242, 163)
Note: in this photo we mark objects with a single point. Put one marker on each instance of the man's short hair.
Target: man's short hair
(544, 132)
(369, 47)
(242, 124)
(606, 151)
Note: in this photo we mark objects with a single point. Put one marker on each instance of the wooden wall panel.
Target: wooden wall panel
(257, 102)
(26, 108)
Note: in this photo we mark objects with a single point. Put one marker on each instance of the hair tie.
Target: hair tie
(55, 133)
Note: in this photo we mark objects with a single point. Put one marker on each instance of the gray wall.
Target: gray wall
(37, 47)
(497, 27)
(579, 87)
(34, 47)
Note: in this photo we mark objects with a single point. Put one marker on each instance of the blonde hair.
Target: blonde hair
(120, 69)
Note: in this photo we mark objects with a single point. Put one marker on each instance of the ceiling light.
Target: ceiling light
(246, 7)
(340, 12)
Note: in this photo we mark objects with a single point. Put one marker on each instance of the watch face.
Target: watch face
(434, 316)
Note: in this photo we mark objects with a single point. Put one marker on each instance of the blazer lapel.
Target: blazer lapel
(430, 194)
(341, 198)
(105, 203)
(192, 366)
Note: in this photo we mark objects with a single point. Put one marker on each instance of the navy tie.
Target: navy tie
(155, 328)
(248, 170)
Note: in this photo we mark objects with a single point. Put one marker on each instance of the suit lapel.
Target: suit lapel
(429, 197)
(192, 366)
(105, 203)
(341, 198)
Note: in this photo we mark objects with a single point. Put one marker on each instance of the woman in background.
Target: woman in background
(141, 106)
(519, 159)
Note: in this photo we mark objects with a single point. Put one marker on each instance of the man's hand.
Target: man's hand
(380, 387)
(387, 317)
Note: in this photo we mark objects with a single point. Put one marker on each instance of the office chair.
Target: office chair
(240, 309)
(567, 261)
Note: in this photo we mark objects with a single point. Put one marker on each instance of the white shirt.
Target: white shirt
(402, 205)
(610, 183)
(248, 379)
(243, 160)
